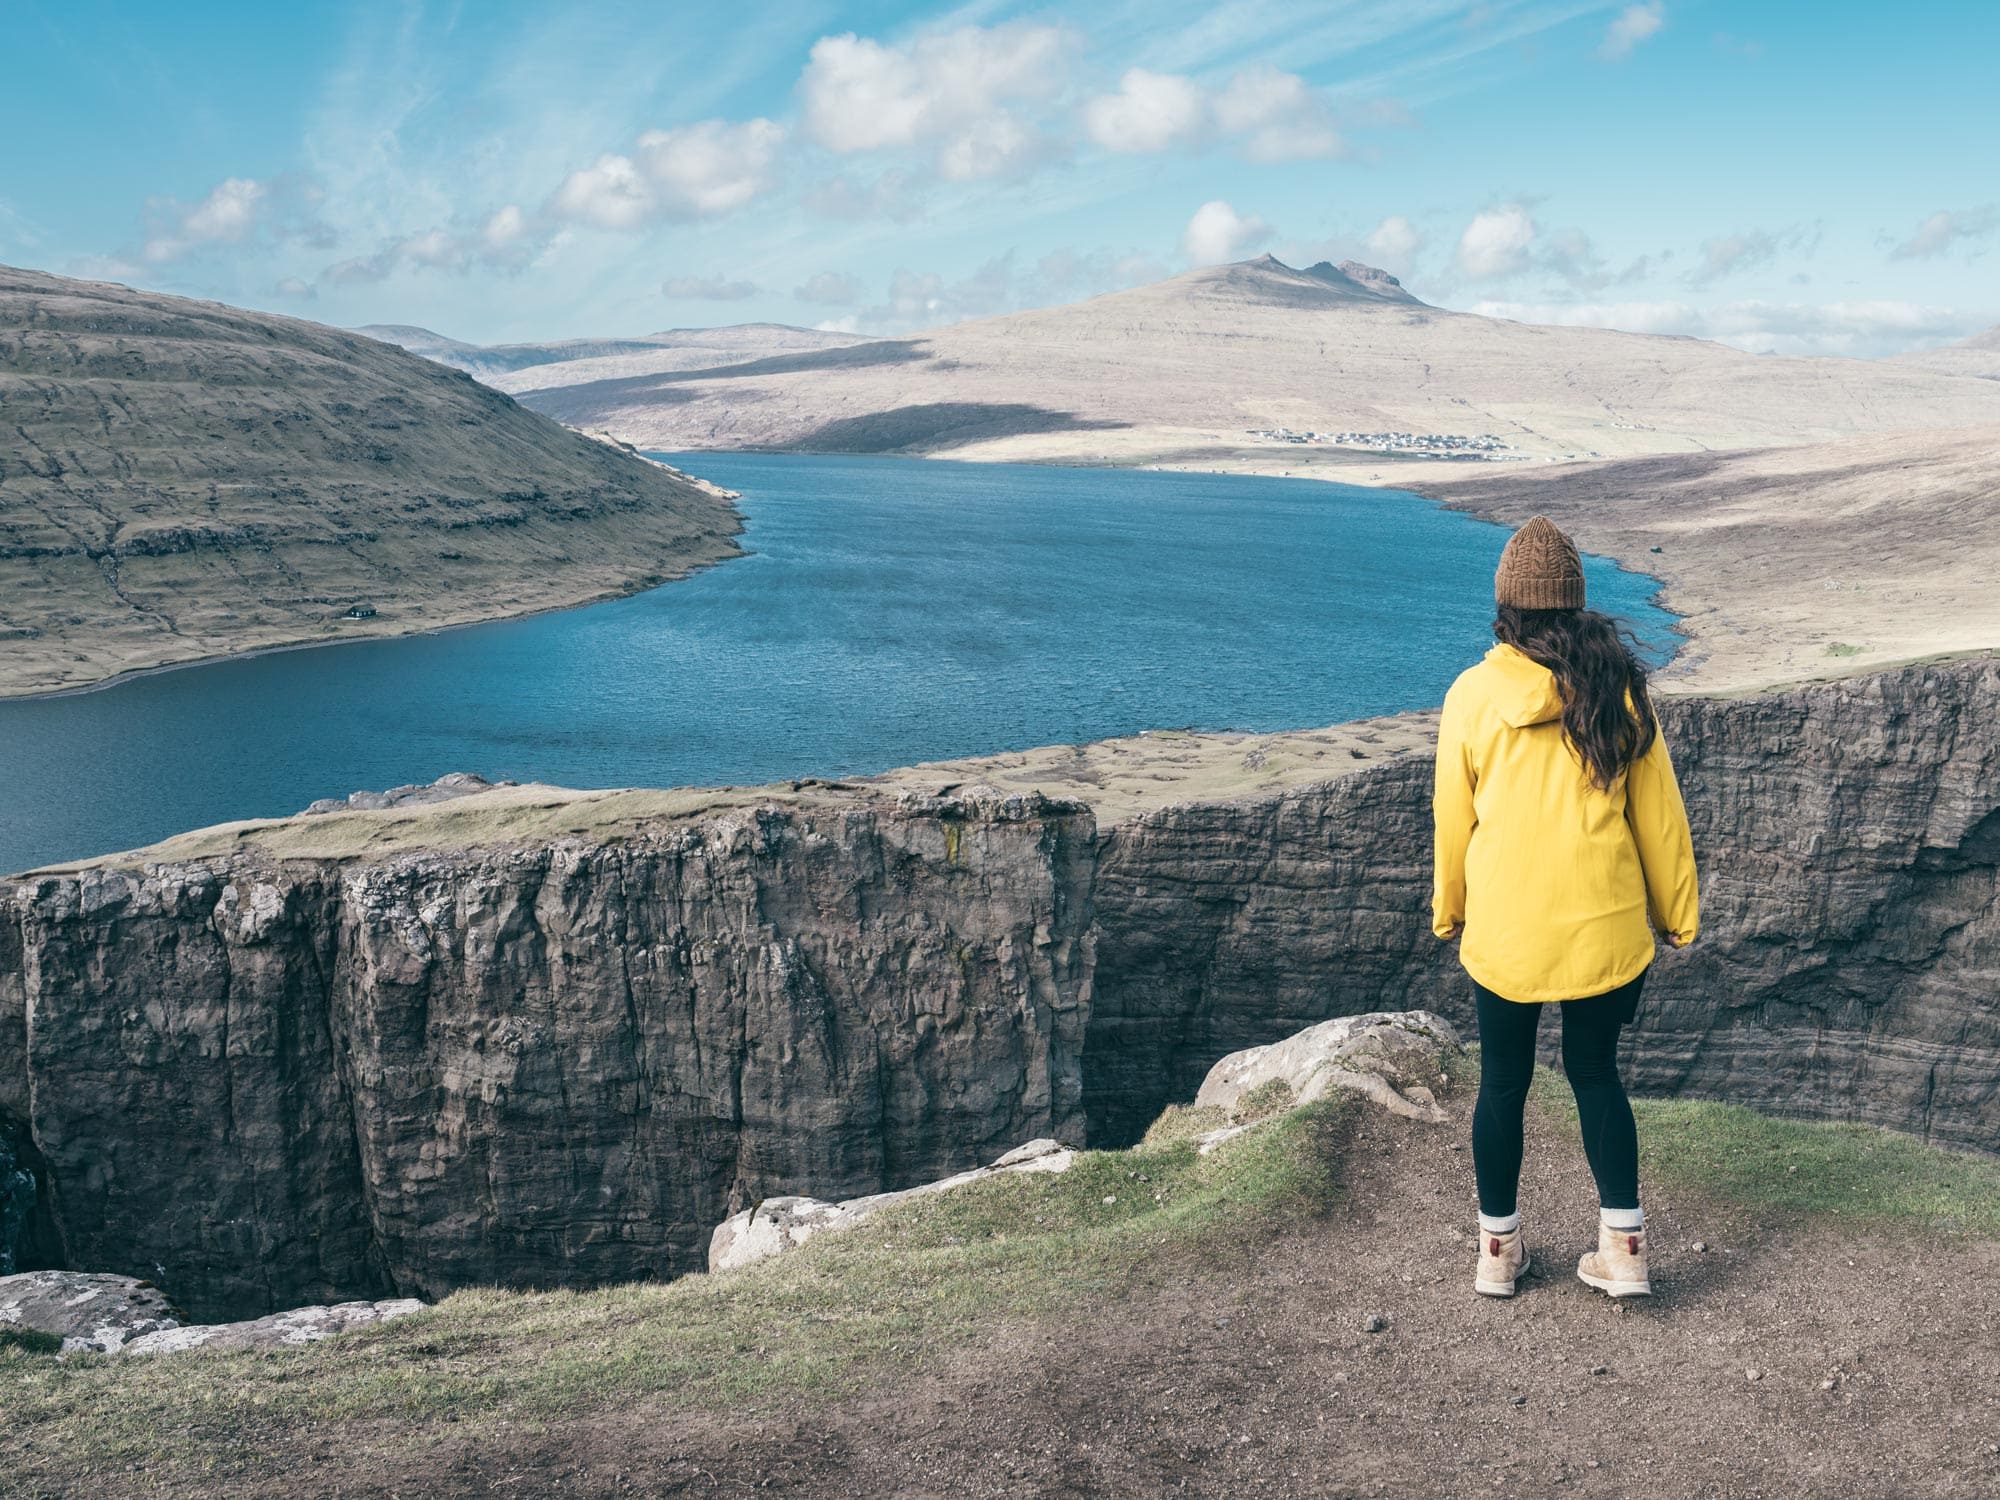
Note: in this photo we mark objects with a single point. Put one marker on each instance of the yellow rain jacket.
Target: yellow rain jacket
(1551, 879)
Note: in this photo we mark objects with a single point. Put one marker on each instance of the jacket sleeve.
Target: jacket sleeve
(1659, 822)
(1453, 817)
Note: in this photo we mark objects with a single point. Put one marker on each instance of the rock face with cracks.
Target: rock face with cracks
(287, 1084)
(268, 1082)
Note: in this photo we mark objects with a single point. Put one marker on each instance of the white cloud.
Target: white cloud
(709, 288)
(1270, 114)
(298, 290)
(228, 215)
(609, 193)
(849, 324)
(504, 228)
(1150, 112)
(701, 170)
(1279, 115)
(1634, 25)
(953, 91)
(1218, 233)
(1498, 242)
(1395, 242)
(506, 239)
(435, 248)
(689, 172)
(1862, 329)
(1941, 231)
(829, 288)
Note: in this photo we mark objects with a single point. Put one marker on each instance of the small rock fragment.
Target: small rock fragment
(1374, 1323)
(1600, 1369)
(1700, 1247)
(1753, 1374)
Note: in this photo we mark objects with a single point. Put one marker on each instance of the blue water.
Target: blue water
(892, 611)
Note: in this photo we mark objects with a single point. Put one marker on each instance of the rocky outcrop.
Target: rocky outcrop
(780, 1224)
(447, 788)
(267, 1084)
(92, 1313)
(1388, 1058)
(270, 1082)
(285, 1330)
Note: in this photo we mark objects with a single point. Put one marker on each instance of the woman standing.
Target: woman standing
(1560, 832)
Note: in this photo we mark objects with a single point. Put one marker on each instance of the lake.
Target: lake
(892, 610)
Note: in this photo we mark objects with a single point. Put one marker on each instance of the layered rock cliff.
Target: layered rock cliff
(268, 1084)
(267, 1079)
(1849, 964)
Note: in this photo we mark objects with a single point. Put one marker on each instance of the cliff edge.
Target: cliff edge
(533, 1036)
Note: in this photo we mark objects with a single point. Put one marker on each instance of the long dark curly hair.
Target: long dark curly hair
(1607, 717)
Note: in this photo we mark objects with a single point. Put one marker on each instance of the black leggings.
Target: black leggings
(1590, 1058)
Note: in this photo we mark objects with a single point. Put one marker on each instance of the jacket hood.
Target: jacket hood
(1524, 692)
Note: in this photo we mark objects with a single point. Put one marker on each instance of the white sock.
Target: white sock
(1507, 1225)
(1622, 1218)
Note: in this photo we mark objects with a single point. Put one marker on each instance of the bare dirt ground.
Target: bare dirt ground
(1873, 1356)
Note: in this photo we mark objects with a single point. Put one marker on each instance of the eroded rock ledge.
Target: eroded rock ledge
(269, 1079)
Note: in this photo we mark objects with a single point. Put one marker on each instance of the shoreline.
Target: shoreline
(276, 648)
(1676, 664)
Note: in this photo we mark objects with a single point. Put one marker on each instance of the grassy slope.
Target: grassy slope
(851, 1310)
(181, 479)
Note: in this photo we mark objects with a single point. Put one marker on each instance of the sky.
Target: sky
(1787, 177)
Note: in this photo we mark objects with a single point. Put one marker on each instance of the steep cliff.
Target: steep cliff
(269, 1079)
(1849, 964)
(266, 1084)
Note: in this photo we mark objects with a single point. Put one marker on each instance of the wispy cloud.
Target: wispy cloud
(1946, 230)
(1728, 254)
(1634, 24)
(1859, 328)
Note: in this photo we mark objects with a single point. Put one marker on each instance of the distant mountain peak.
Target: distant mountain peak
(1350, 281)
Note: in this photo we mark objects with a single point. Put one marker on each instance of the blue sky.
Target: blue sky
(1816, 178)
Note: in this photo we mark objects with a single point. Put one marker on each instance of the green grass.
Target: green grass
(1841, 648)
(1849, 1174)
(820, 1321)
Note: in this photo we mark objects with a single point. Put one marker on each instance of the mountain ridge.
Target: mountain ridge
(184, 479)
(1224, 363)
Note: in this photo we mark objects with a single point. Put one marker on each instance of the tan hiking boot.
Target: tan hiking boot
(1503, 1260)
(1618, 1264)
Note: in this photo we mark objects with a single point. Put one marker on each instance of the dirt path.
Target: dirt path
(1257, 1377)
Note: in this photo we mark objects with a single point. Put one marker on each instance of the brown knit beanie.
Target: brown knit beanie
(1540, 569)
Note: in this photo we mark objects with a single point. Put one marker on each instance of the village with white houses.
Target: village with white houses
(1418, 444)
